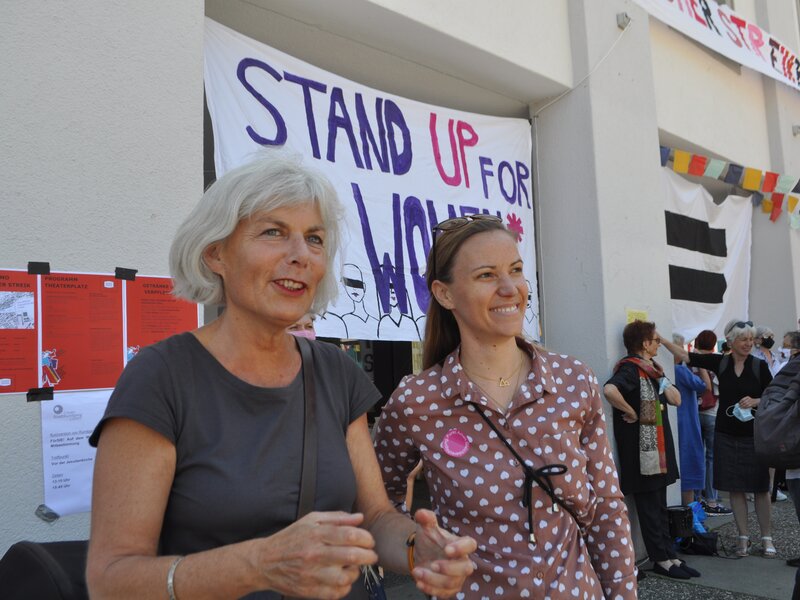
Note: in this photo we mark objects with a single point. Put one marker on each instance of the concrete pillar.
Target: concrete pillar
(775, 270)
(600, 195)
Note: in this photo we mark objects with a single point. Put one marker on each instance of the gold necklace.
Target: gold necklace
(501, 381)
(502, 408)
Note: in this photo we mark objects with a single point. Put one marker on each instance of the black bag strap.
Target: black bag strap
(308, 473)
(540, 476)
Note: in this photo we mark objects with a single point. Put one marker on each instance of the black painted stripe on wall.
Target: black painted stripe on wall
(694, 234)
(696, 286)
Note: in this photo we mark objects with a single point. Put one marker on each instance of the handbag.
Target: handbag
(373, 582)
(707, 400)
(704, 544)
(681, 521)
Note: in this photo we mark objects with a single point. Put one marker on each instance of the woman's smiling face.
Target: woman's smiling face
(488, 292)
(271, 264)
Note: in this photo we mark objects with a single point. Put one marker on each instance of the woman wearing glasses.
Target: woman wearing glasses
(639, 393)
(512, 437)
(742, 378)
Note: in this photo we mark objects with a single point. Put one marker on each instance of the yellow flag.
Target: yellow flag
(792, 204)
(680, 162)
(752, 180)
(766, 205)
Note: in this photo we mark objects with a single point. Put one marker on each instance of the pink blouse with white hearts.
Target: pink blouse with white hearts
(476, 483)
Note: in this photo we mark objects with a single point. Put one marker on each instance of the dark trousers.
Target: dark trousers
(654, 524)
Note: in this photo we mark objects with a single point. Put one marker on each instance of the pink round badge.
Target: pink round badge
(455, 443)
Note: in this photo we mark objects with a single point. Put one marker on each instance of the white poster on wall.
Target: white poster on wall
(68, 460)
(708, 250)
(399, 167)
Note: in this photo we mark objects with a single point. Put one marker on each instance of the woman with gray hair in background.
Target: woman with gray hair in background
(197, 487)
(762, 348)
(742, 378)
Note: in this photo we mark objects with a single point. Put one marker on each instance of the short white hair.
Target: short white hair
(677, 338)
(763, 330)
(737, 328)
(275, 179)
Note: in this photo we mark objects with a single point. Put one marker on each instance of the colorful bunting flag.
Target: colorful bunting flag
(697, 166)
(680, 162)
(734, 175)
(785, 184)
(752, 179)
(770, 181)
(714, 168)
(777, 203)
(746, 177)
(665, 150)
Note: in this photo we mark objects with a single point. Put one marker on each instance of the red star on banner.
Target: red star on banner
(515, 225)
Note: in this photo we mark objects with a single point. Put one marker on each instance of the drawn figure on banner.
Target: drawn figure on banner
(396, 321)
(50, 375)
(333, 325)
(130, 352)
(355, 288)
(530, 316)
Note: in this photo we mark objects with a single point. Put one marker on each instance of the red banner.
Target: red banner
(81, 331)
(18, 332)
(154, 313)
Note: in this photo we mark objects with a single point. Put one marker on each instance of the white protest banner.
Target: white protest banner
(708, 250)
(68, 460)
(399, 167)
(721, 29)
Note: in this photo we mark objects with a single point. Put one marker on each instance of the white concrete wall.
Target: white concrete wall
(470, 55)
(101, 157)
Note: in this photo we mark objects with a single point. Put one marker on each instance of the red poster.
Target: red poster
(154, 313)
(81, 331)
(18, 332)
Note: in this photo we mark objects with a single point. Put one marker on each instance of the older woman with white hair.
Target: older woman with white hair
(762, 348)
(203, 455)
(742, 378)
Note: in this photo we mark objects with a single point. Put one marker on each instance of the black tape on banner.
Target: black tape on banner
(38, 268)
(40, 394)
(127, 274)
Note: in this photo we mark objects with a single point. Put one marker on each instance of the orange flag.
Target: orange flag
(777, 203)
(770, 180)
(680, 162)
(697, 166)
(752, 179)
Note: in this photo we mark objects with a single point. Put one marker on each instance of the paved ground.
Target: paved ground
(724, 577)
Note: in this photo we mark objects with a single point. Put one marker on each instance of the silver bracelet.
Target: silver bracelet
(171, 577)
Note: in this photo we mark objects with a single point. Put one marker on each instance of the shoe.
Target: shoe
(780, 496)
(640, 574)
(692, 572)
(744, 546)
(768, 548)
(674, 572)
(793, 562)
(718, 511)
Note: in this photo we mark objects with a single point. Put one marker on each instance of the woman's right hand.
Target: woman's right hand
(318, 556)
(630, 416)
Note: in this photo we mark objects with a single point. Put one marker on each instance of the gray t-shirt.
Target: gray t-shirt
(239, 446)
